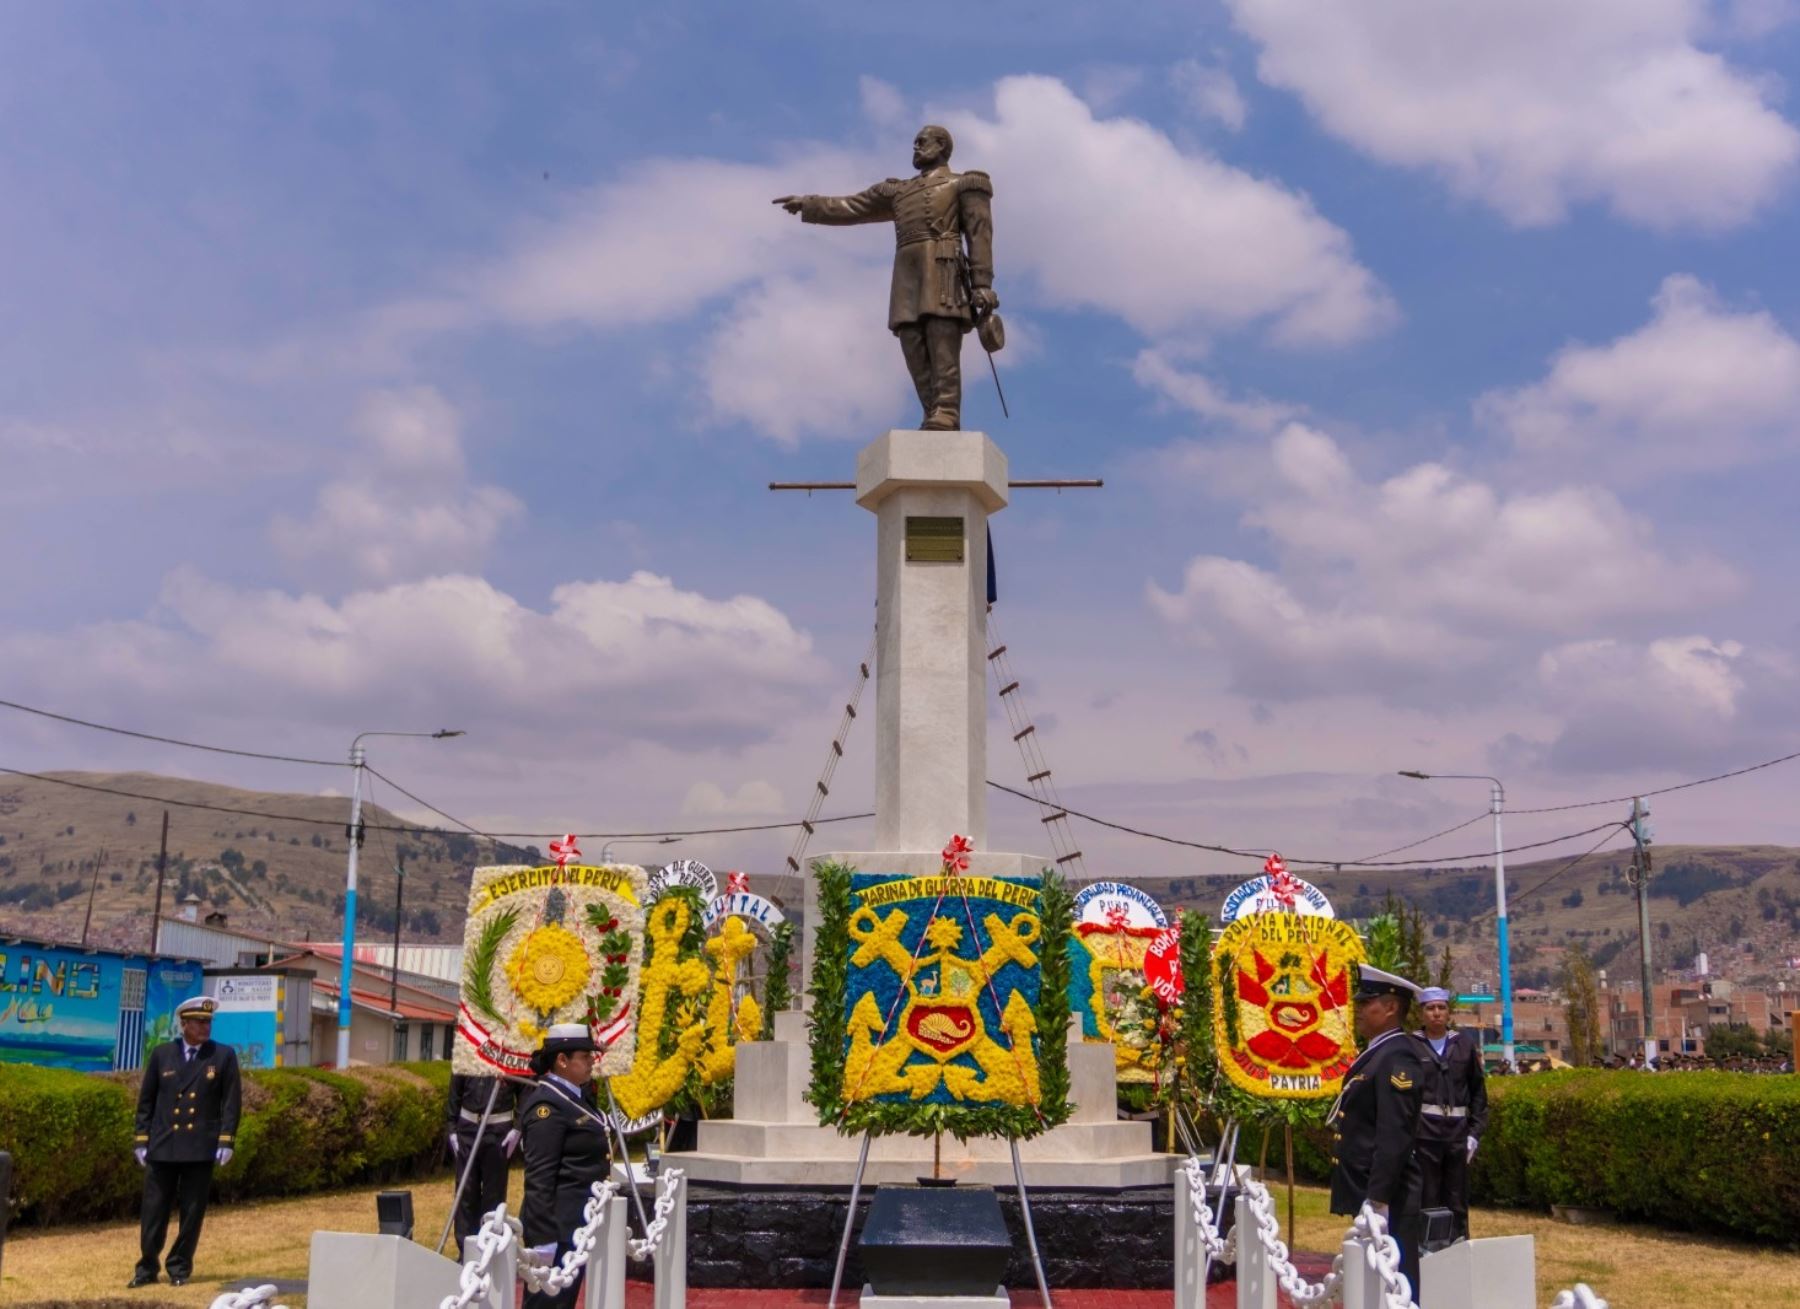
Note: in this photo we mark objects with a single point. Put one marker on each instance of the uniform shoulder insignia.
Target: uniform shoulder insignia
(1402, 1080)
(543, 1111)
(976, 180)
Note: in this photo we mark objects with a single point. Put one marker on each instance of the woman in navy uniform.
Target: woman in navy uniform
(187, 1115)
(486, 1163)
(1376, 1115)
(566, 1149)
(1454, 1112)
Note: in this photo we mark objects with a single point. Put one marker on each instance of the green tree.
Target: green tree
(1445, 973)
(1581, 1007)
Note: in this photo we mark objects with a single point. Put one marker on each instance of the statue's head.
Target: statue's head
(932, 146)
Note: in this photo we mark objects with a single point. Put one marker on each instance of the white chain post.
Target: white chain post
(255, 1297)
(1255, 1280)
(671, 1245)
(1581, 1297)
(487, 1279)
(606, 1269)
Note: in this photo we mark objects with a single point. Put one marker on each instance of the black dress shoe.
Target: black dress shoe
(140, 1279)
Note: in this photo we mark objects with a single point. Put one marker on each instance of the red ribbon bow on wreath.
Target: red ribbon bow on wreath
(1118, 918)
(737, 883)
(956, 855)
(565, 850)
(1283, 885)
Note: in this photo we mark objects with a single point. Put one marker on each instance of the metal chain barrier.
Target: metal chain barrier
(1581, 1297)
(496, 1233)
(659, 1223)
(1383, 1256)
(257, 1297)
(1220, 1249)
(1301, 1292)
(557, 1278)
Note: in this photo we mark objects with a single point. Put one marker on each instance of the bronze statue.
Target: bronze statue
(940, 290)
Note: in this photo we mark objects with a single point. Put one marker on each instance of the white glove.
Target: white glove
(1472, 1144)
(510, 1142)
(222, 1155)
(143, 1154)
(455, 1145)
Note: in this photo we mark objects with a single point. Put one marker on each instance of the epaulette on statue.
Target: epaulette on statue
(975, 180)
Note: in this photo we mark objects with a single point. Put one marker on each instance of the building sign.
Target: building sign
(249, 1017)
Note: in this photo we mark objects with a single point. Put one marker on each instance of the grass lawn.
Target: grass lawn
(1633, 1267)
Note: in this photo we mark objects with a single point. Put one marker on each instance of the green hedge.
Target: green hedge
(1710, 1151)
(302, 1129)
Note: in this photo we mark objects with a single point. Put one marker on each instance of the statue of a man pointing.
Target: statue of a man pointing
(943, 265)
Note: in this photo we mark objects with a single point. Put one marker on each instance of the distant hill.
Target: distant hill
(266, 874)
(1739, 904)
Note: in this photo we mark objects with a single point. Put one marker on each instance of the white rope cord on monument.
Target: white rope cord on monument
(1268, 1231)
(559, 1277)
(491, 1239)
(1220, 1249)
(1383, 1256)
(257, 1296)
(1581, 1297)
(667, 1185)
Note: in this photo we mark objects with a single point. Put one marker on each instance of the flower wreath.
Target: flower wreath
(957, 1058)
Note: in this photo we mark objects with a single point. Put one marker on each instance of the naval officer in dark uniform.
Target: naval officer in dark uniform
(1454, 1112)
(1376, 1117)
(567, 1149)
(940, 290)
(187, 1116)
(486, 1162)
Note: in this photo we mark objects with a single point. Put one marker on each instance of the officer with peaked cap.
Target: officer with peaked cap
(1376, 1116)
(567, 1149)
(187, 1116)
(1454, 1112)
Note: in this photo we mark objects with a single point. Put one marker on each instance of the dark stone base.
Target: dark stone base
(788, 1236)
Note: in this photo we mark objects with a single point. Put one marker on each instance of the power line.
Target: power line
(1679, 786)
(1316, 863)
(416, 800)
(1533, 890)
(170, 740)
(414, 828)
(1467, 822)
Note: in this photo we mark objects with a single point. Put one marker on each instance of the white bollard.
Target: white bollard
(1190, 1248)
(505, 1272)
(670, 1259)
(605, 1287)
(1362, 1285)
(1255, 1279)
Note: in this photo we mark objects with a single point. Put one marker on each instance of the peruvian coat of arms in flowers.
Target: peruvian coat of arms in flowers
(1284, 1021)
(941, 991)
(554, 944)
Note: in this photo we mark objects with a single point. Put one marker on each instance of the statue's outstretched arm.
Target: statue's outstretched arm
(875, 205)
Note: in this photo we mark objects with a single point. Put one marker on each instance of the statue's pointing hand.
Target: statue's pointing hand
(792, 203)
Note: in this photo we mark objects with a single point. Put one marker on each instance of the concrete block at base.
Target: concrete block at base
(353, 1270)
(998, 1300)
(1496, 1272)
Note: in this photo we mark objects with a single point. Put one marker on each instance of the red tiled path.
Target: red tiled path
(638, 1296)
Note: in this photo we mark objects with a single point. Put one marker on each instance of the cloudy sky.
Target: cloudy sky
(410, 366)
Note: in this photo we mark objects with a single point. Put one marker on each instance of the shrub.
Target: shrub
(1710, 1151)
(302, 1129)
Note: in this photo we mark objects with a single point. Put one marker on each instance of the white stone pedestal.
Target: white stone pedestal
(354, 1270)
(1496, 1272)
(998, 1300)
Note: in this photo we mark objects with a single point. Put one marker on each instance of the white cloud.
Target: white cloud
(1209, 92)
(605, 662)
(404, 510)
(1537, 105)
(753, 799)
(883, 103)
(1200, 395)
(1412, 587)
(1165, 240)
(1698, 386)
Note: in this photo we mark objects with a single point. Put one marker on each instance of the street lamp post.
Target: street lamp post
(1496, 803)
(606, 849)
(358, 761)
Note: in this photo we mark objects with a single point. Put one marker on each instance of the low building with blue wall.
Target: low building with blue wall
(95, 1010)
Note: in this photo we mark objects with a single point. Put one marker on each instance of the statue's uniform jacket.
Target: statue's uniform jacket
(932, 215)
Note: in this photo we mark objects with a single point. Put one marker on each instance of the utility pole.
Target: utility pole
(399, 899)
(1640, 878)
(162, 867)
(354, 833)
(93, 890)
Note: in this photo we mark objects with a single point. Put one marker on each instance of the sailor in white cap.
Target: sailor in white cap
(1454, 1112)
(187, 1116)
(1377, 1115)
(567, 1149)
